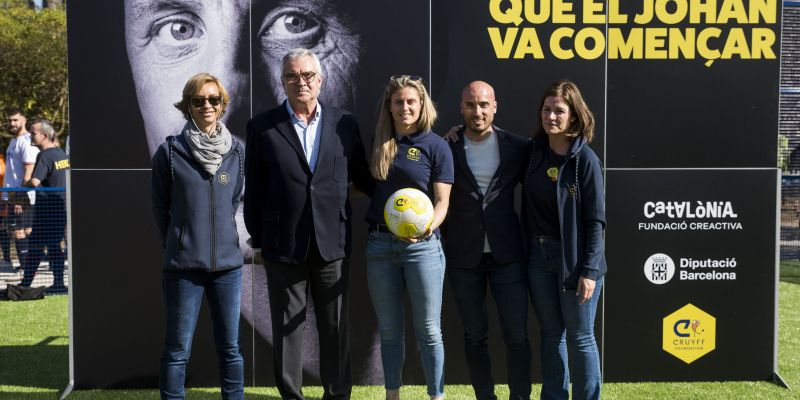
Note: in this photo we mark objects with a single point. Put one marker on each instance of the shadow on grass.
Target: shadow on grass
(790, 271)
(106, 394)
(37, 366)
(30, 396)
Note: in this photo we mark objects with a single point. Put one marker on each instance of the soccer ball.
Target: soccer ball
(408, 213)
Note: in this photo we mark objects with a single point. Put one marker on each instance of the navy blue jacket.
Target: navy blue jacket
(581, 208)
(196, 212)
(473, 216)
(285, 204)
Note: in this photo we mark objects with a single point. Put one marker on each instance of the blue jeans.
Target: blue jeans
(565, 325)
(510, 291)
(394, 267)
(183, 295)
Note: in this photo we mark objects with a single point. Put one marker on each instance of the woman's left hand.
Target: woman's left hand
(585, 289)
(419, 238)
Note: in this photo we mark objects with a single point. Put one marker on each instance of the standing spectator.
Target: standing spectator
(5, 240)
(483, 242)
(301, 157)
(20, 157)
(50, 216)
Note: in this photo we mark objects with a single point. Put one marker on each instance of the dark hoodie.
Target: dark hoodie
(196, 212)
(581, 210)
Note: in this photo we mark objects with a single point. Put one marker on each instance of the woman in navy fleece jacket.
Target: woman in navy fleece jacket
(197, 181)
(564, 212)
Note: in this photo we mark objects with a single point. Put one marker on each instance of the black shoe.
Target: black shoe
(56, 289)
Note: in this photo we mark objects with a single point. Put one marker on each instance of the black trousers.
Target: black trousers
(289, 288)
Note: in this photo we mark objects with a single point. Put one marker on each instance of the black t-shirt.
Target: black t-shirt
(51, 169)
(541, 199)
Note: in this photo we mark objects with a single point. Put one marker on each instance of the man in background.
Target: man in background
(50, 217)
(20, 157)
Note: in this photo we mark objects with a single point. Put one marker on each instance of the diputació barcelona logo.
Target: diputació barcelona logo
(689, 333)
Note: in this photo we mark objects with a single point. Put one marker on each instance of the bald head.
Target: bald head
(477, 88)
(478, 107)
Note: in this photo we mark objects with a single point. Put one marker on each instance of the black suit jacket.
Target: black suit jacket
(284, 203)
(472, 215)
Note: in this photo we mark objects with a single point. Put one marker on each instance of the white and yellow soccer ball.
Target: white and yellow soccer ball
(408, 213)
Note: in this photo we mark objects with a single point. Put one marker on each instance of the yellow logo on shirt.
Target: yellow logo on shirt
(62, 164)
(413, 154)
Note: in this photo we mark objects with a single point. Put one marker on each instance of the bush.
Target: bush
(33, 46)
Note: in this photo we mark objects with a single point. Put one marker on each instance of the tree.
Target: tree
(33, 62)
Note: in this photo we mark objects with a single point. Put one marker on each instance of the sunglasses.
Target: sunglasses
(414, 78)
(201, 101)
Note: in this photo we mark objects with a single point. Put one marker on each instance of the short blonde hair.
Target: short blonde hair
(384, 145)
(193, 85)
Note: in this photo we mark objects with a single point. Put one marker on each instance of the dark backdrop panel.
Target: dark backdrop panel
(463, 52)
(117, 312)
(681, 114)
(670, 113)
(104, 115)
(743, 307)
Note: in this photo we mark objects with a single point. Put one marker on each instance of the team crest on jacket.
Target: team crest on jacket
(224, 178)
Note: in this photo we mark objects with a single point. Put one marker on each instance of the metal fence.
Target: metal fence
(789, 129)
(33, 248)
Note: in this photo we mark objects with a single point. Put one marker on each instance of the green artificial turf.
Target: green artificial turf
(34, 358)
(34, 352)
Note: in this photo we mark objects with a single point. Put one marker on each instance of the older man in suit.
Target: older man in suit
(483, 242)
(301, 157)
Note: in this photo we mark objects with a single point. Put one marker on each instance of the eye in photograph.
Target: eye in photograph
(177, 37)
(289, 28)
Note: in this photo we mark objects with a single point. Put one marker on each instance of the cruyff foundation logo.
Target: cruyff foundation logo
(682, 326)
(224, 178)
(413, 154)
(635, 29)
(689, 333)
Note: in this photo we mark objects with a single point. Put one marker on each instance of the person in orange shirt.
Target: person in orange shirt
(5, 240)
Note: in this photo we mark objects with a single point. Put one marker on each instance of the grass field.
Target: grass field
(34, 357)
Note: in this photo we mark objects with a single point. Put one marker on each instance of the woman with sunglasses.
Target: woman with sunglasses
(564, 214)
(197, 181)
(407, 154)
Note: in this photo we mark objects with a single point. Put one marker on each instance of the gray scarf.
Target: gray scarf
(208, 149)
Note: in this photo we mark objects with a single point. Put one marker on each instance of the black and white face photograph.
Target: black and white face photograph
(167, 42)
(152, 47)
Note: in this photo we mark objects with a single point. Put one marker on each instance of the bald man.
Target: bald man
(483, 241)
